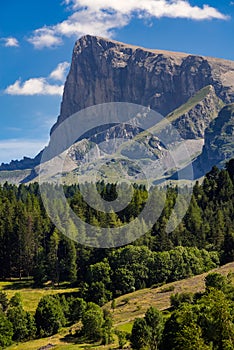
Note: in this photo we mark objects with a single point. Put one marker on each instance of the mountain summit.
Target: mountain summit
(104, 70)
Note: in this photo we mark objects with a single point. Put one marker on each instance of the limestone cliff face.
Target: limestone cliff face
(219, 145)
(108, 71)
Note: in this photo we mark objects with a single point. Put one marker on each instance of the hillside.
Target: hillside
(128, 307)
(139, 301)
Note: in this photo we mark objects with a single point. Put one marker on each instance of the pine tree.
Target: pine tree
(140, 334)
(6, 331)
(52, 258)
(154, 320)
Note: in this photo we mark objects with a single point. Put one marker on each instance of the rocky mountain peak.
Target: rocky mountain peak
(105, 70)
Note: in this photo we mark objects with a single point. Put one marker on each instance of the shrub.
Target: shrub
(49, 316)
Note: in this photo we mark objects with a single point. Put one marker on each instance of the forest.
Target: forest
(32, 247)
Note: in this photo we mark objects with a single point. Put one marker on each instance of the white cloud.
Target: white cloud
(34, 86)
(10, 42)
(44, 37)
(91, 22)
(40, 86)
(17, 148)
(101, 17)
(79, 23)
(153, 8)
(60, 71)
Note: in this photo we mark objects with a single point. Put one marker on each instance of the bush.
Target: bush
(77, 307)
(23, 323)
(216, 280)
(167, 289)
(122, 338)
(3, 301)
(93, 321)
(49, 316)
(177, 299)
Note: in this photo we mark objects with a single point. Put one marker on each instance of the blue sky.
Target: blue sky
(37, 38)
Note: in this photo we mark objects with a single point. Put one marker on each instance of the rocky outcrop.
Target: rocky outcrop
(108, 71)
(191, 119)
(47, 347)
(219, 145)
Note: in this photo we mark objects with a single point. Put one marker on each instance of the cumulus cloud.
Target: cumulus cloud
(59, 73)
(45, 37)
(153, 8)
(35, 86)
(81, 22)
(40, 86)
(102, 17)
(10, 42)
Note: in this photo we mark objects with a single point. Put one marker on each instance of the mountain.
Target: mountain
(189, 89)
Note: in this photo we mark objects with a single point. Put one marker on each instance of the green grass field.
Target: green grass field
(192, 102)
(31, 296)
(126, 327)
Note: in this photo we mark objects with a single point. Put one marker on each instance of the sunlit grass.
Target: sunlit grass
(31, 296)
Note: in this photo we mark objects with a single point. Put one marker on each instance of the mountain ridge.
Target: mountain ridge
(157, 51)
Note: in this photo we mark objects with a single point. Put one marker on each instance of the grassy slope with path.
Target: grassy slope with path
(139, 301)
(124, 313)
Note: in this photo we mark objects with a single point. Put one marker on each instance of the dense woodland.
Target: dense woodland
(31, 246)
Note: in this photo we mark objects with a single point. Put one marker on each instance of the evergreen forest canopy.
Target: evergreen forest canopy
(31, 246)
